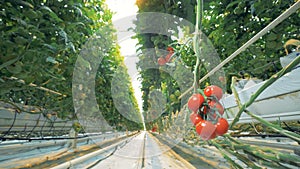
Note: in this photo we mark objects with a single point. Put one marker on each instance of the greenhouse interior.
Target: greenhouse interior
(150, 84)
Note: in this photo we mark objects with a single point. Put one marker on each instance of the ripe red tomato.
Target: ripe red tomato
(161, 61)
(168, 57)
(212, 136)
(222, 79)
(206, 130)
(213, 90)
(215, 105)
(195, 118)
(154, 128)
(195, 102)
(170, 49)
(222, 126)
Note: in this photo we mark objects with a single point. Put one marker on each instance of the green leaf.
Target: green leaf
(25, 4)
(52, 48)
(51, 13)
(51, 60)
(15, 68)
(71, 46)
(5, 64)
(64, 35)
(31, 14)
(20, 40)
(232, 4)
(19, 21)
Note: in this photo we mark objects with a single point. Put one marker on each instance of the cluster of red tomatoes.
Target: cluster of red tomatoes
(207, 113)
(163, 60)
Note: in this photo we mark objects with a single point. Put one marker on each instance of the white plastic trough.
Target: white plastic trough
(280, 101)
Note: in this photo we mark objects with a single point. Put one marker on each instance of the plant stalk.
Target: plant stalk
(275, 77)
(197, 43)
(224, 154)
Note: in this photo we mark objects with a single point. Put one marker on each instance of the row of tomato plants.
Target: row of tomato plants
(206, 116)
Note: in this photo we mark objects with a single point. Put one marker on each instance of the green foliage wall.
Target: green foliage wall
(40, 43)
(229, 24)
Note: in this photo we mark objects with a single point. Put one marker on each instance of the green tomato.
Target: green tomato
(177, 93)
(173, 98)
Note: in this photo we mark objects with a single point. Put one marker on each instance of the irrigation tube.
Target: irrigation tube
(39, 144)
(81, 159)
(274, 23)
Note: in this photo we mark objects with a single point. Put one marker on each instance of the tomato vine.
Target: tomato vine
(229, 24)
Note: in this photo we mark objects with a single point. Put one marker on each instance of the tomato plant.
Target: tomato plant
(213, 90)
(221, 21)
(195, 102)
(42, 42)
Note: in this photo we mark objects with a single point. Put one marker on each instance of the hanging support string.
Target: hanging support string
(274, 23)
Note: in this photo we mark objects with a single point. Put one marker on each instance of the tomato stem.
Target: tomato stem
(197, 43)
(225, 154)
(242, 107)
(261, 152)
